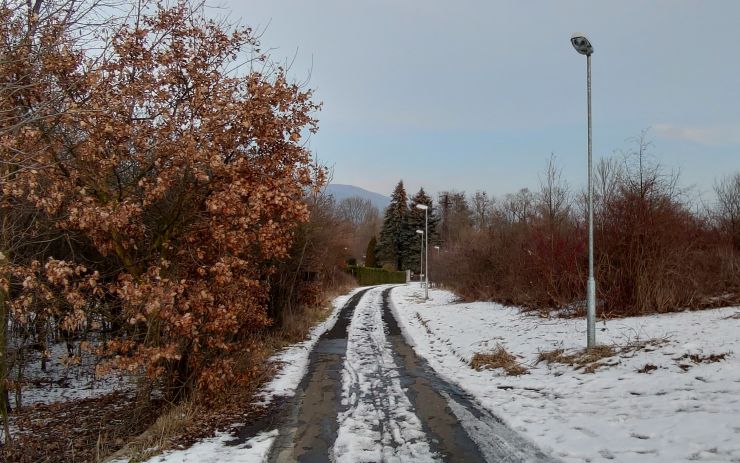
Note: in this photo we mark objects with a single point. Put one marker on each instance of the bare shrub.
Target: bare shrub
(654, 251)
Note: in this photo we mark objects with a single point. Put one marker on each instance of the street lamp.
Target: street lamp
(421, 258)
(437, 248)
(425, 208)
(583, 46)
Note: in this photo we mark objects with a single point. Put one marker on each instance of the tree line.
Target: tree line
(657, 249)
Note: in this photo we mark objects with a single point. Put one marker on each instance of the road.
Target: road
(368, 397)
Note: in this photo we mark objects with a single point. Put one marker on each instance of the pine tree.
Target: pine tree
(370, 260)
(394, 239)
(415, 222)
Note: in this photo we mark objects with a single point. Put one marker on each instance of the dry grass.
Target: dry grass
(647, 368)
(173, 422)
(588, 359)
(498, 358)
(424, 323)
(698, 358)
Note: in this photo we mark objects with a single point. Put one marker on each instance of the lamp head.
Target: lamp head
(423, 207)
(421, 232)
(581, 43)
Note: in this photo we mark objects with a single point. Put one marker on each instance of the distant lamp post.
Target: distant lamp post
(421, 258)
(437, 248)
(583, 46)
(425, 208)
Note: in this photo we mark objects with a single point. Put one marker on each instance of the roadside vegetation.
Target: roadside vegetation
(657, 248)
(164, 227)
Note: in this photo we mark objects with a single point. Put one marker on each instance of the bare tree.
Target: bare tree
(521, 205)
(356, 210)
(455, 215)
(728, 206)
(606, 182)
(553, 197)
(482, 205)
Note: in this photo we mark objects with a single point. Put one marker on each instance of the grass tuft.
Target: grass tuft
(498, 358)
(587, 359)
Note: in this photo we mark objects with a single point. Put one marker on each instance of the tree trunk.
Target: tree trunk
(4, 400)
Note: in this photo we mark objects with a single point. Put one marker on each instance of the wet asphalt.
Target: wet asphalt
(457, 427)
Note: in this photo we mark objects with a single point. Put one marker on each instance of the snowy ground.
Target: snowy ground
(680, 411)
(376, 426)
(63, 381)
(293, 361)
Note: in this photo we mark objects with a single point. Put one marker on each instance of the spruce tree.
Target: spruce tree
(415, 222)
(394, 234)
(370, 260)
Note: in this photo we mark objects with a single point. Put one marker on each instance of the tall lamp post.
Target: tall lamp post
(583, 46)
(421, 257)
(425, 208)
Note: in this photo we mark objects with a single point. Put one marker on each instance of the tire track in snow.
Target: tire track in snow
(378, 422)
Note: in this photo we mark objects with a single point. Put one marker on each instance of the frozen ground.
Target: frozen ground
(679, 411)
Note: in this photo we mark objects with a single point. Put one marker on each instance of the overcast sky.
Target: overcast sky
(472, 95)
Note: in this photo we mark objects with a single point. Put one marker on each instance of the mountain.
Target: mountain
(340, 192)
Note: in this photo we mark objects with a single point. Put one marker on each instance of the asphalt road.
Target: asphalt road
(367, 396)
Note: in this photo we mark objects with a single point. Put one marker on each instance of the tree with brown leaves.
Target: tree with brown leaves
(169, 173)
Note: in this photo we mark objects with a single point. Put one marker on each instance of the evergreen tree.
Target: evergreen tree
(370, 260)
(415, 222)
(394, 236)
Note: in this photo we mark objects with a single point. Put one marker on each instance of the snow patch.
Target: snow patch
(680, 411)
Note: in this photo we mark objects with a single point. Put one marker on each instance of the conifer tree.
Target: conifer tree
(370, 260)
(415, 222)
(394, 236)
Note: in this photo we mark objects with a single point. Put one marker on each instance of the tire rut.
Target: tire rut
(310, 423)
(458, 429)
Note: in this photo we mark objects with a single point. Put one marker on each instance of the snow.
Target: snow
(379, 423)
(61, 382)
(293, 362)
(218, 450)
(294, 359)
(614, 414)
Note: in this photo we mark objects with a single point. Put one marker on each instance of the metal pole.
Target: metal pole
(591, 289)
(426, 252)
(421, 261)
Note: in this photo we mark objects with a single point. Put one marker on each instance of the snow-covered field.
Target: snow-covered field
(679, 411)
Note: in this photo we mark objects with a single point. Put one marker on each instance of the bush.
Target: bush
(653, 251)
(376, 276)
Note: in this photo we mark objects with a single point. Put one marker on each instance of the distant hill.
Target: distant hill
(345, 191)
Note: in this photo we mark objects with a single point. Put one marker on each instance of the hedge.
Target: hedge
(367, 276)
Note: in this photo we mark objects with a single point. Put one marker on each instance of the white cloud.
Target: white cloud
(712, 136)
